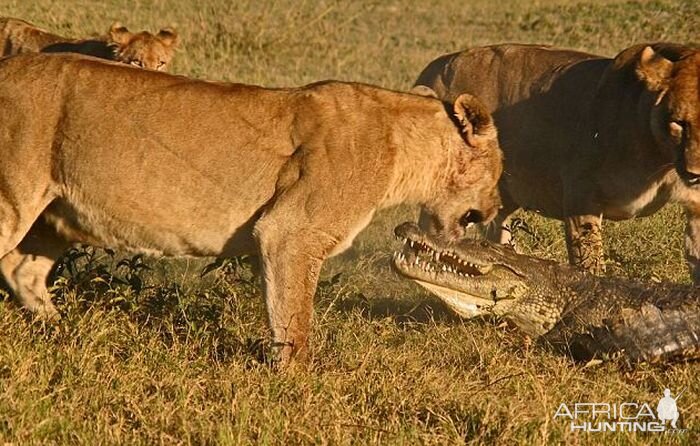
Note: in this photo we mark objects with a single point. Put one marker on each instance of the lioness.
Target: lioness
(585, 136)
(140, 49)
(116, 156)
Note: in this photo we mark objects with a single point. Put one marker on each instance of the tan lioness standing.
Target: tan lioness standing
(143, 49)
(587, 137)
(136, 159)
(26, 269)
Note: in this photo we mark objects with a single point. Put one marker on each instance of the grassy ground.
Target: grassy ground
(164, 356)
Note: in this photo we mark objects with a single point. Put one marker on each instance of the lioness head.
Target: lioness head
(673, 79)
(470, 191)
(144, 50)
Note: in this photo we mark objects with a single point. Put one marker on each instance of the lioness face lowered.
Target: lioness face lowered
(468, 193)
(291, 175)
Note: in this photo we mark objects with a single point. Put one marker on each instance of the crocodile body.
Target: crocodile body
(584, 315)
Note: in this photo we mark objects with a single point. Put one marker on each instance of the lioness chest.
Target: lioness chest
(624, 203)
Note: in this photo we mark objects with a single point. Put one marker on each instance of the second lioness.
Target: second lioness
(142, 49)
(586, 136)
(136, 159)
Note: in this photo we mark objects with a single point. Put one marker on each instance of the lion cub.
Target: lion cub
(141, 49)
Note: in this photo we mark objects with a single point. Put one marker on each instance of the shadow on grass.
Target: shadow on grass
(401, 311)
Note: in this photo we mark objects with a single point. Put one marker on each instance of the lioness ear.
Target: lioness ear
(654, 69)
(423, 90)
(119, 34)
(475, 120)
(168, 36)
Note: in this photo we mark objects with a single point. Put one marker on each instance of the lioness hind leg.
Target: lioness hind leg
(584, 242)
(26, 269)
(18, 216)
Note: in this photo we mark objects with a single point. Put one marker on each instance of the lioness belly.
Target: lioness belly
(190, 231)
(644, 203)
(165, 199)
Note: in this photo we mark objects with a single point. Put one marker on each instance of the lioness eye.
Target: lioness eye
(161, 64)
(676, 128)
(136, 63)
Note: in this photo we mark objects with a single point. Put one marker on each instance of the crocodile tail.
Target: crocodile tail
(647, 334)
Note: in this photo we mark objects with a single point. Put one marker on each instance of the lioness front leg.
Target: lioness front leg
(584, 242)
(692, 241)
(291, 265)
(293, 242)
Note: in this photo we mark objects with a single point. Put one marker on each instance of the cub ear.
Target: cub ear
(119, 34)
(474, 119)
(168, 36)
(654, 69)
(424, 90)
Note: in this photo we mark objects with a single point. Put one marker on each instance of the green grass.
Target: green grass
(176, 360)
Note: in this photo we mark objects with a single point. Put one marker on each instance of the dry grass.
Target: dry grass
(176, 361)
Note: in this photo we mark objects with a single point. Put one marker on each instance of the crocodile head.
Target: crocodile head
(475, 277)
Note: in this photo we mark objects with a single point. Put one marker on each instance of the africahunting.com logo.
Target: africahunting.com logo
(623, 417)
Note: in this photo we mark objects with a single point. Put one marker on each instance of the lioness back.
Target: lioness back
(538, 96)
(143, 49)
(498, 74)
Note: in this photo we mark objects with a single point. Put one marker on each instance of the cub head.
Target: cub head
(143, 50)
(673, 78)
(468, 192)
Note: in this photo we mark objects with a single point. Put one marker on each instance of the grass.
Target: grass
(175, 359)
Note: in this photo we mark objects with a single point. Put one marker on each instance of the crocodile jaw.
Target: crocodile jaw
(467, 281)
(465, 305)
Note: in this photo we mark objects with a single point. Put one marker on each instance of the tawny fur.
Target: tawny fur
(586, 137)
(135, 159)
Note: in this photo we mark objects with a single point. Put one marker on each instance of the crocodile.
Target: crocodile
(586, 316)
